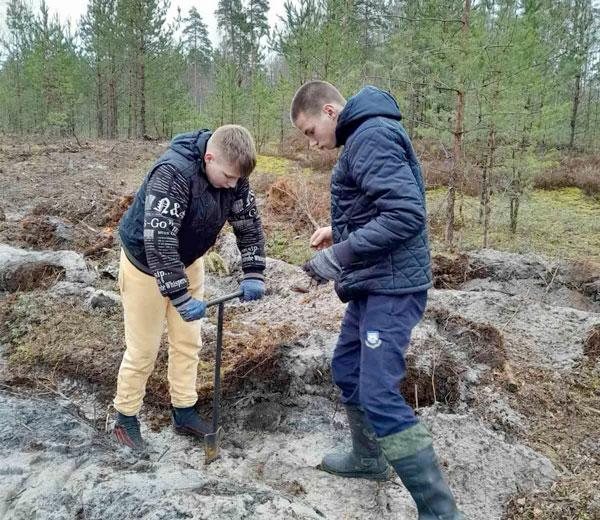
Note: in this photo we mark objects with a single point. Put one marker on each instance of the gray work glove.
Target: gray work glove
(323, 266)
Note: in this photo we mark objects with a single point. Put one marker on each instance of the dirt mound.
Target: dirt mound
(46, 232)
(20, 268)
(450, 271)
(482, 342)
(114, 212)
(66, 196)
(87, 344)
(583, 276)
(438, 383)
(561, 417)
(28, 277)
(536, 278)
(303, 200)
(592, 344)
(268, 472)
(281, 412)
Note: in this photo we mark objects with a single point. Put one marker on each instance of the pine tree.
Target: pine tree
(199, 52)
(19, 20)
(143, 28)
(100, 34)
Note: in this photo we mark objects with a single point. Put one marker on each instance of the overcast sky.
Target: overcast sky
(73, 9)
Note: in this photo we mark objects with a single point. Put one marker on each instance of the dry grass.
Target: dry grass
(294, 207)
(562, 414)
(579, 171)
(302, 201)
(249, 352)
(297, 148)
(88, 345)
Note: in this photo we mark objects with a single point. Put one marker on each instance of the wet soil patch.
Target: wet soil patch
(439, 383)
(30, 276)
(450, 271)
(592, 344)
(482, 342)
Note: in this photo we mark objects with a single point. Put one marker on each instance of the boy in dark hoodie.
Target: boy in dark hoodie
(191, 191)
(377, 252)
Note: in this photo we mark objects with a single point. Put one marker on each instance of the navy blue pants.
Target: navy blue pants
(368, 360)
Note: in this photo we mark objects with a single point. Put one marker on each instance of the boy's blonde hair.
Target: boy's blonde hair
(237, 146)
(310, 98)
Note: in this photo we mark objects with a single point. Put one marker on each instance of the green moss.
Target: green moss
(271, 164)
(23, 355)
(288, 247)
(215, 264)
(279, 166)
(564, 223)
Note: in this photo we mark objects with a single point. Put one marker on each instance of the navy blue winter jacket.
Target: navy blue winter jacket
(378, 202)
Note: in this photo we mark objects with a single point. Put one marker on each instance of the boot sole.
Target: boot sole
(189, 433)
(384, 475)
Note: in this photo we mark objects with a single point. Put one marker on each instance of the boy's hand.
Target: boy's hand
(323, 266)
(322, 238)
(192, 309)
(253, 290)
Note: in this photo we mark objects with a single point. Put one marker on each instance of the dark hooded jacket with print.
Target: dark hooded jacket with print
(177, 214)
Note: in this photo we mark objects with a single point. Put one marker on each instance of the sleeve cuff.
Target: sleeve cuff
(343, 253)
(180, 297)
(254, 276)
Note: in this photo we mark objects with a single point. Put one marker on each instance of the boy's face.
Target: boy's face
(220, 173)
(319, 128)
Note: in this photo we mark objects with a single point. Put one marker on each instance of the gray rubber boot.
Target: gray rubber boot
(366, 459)
(411, 454)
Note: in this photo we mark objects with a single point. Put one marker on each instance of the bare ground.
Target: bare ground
(504, 369)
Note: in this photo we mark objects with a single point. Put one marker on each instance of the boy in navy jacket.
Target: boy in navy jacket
(377, 253)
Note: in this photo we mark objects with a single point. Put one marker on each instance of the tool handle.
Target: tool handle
(225, 298)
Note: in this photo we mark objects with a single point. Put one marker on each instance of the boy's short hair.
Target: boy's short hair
(310, 98)
(237, 146)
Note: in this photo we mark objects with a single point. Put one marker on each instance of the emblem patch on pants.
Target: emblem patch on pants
(373, 340)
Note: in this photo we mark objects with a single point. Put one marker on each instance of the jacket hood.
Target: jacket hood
(369, 102)
(191, 145)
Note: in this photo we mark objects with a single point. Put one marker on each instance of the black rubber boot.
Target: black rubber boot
(186, 421)
(366, 459)
(127, 431)
(411, 454)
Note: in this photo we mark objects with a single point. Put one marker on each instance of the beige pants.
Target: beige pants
(145, 310)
